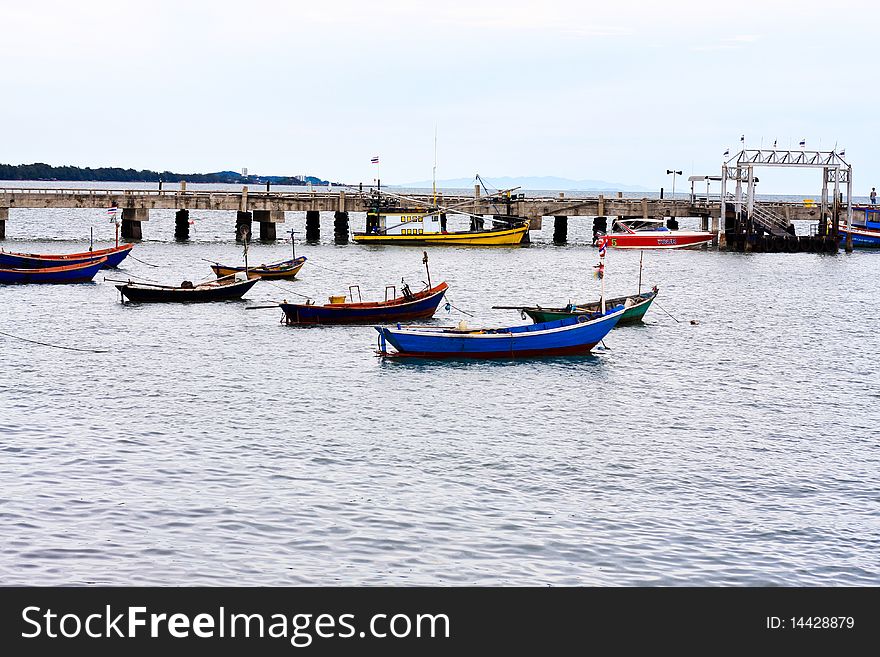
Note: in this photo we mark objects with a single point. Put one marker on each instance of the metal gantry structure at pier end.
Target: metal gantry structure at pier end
(741, 170)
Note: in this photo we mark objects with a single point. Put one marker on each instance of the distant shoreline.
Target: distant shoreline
(45, 172)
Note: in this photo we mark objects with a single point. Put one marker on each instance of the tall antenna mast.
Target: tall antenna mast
(434, 197)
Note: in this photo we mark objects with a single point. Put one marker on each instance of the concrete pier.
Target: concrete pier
(313, 225)
(243, 226)
(181, 225)
(268, 207)
(132, 218)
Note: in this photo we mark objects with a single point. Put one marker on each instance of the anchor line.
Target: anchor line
(142, 262)
(56, 346)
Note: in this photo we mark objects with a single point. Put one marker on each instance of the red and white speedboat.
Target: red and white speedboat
(652, 234)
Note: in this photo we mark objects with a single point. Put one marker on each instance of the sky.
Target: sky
(618, 91)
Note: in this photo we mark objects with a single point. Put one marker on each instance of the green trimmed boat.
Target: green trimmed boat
(635, 308)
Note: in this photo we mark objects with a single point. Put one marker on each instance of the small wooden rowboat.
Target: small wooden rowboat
(113, 256)
(569, 336)
(419, 305)
(78, 273)
(634, 309)
(284, 269)
(220, 290)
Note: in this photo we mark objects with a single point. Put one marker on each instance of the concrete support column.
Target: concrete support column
(243, 226)
(560, 230)
(4, 215)
(267, 220)
(313, 225)
(704, 222)
(131, 222)
(181, 225)
(340, 227)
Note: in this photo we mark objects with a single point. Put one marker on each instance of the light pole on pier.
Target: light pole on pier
(674, 174)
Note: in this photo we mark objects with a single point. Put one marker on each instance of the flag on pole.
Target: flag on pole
(726, 152)
(603, 245)
(374, 159)
(774, 144)
(803, 142)
(842, 152)
(111, 212)
(742, 139)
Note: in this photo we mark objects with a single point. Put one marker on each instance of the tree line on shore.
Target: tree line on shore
(40, 171)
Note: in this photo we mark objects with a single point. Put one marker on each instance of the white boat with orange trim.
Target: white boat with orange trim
(652, 234)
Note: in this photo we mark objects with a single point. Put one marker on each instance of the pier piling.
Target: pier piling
(181, 225)
(4, 215)
(131, 222)
(243, 226)
(313, 226)
(560, 230)
(267, 220)
(340, 227)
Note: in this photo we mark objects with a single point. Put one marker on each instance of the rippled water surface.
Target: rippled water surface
(730, 440)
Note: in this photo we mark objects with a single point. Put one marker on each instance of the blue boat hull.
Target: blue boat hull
(80, 273)
(867, 236)
(569, 336)
(113, 256)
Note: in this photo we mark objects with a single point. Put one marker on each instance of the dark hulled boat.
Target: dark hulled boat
(219, 290)
(408, 306)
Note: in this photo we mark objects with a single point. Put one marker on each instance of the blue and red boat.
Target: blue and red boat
(408, 306)
(77, 273)
(112, 257)
(562, 337)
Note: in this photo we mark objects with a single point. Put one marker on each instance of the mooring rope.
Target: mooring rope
(142, 262)
(449, 305)
(56, 346)
(664, 310)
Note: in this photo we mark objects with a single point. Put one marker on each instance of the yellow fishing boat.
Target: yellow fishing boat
(419, 227)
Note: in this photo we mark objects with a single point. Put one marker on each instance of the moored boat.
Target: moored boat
(866, 234)
(220, 290)
(81, 272)
(634, 308)
(569, 336)
(652, 234)
(389, 224)
(408, 306)
(112, 257)
(284, 269)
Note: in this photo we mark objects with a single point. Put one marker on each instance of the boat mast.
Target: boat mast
(641, 255)
(425, 262)
(434, 185)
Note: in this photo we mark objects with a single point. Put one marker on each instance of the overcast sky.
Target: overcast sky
(618, 91)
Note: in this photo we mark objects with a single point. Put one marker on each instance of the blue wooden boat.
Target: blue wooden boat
(865, 235)
(408, 306)
(562, 337)
(113, 256)
(78, 273)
